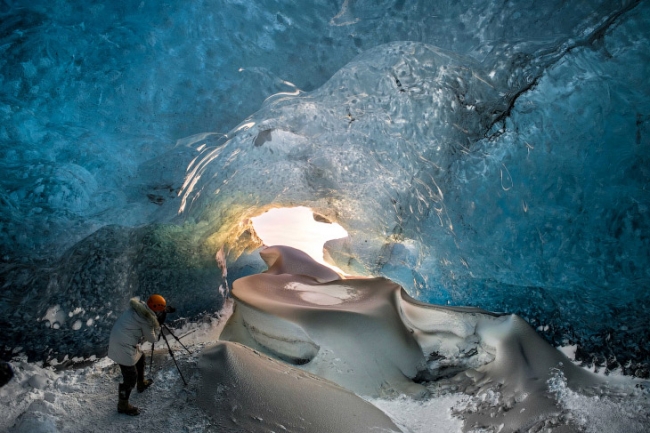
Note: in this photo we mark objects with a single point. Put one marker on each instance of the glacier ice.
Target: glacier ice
(484, 154)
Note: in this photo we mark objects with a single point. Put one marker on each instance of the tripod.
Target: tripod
(170, 350)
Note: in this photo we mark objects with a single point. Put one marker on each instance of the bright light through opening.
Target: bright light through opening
(296, 227)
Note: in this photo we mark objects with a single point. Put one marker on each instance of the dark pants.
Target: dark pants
(131, 374)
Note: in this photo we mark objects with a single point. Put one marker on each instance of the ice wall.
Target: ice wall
(477, 153)
(92, 91)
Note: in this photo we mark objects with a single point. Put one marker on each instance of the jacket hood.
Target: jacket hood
(144, 312)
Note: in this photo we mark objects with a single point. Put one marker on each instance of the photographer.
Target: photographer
(141, 321)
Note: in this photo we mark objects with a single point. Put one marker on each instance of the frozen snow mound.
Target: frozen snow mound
(369, 337)
(245, 390)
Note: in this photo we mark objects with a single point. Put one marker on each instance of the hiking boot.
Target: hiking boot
(144, 385)
(124, 407)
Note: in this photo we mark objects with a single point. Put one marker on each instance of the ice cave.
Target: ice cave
(478, 154)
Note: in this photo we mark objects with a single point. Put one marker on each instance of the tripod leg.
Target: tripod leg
(151, 361)
(172, 355)
(177, 339)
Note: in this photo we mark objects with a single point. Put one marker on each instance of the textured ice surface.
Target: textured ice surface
(479, 153)
(90, 92)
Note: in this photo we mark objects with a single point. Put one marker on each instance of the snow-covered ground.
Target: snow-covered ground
(55, 400)
(81, 400)
(44, 400)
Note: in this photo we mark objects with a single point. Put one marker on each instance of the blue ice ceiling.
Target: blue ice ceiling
(494, 154)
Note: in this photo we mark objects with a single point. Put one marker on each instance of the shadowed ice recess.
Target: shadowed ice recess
(484, 154)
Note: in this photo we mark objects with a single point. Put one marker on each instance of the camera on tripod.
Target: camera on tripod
(162, 316)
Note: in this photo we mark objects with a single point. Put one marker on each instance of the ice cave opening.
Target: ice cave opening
(298, 227)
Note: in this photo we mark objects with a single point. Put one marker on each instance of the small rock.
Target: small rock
(6, 373)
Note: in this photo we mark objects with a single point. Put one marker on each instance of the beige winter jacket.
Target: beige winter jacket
(138, 322)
